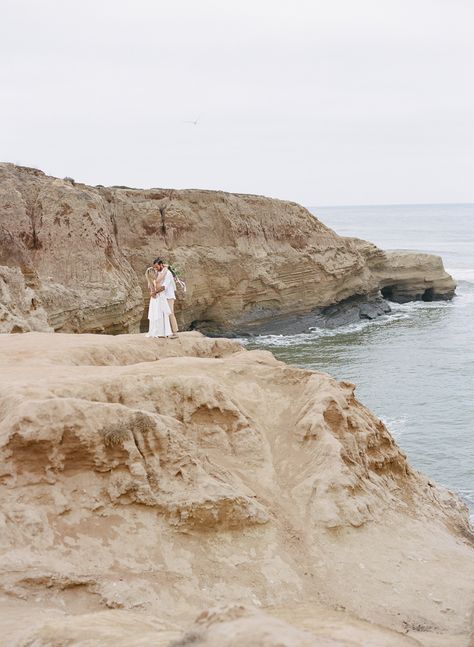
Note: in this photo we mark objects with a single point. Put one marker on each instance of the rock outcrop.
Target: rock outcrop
(157, 478)
(74, 257)
(406, 275)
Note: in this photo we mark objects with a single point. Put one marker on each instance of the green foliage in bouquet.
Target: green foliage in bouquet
(175, 270)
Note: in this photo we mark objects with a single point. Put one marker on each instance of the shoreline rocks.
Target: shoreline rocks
(74, 257)
(349, 311)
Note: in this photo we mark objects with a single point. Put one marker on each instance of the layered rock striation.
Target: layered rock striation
(72, 258)
(161, 477)
(404, 275)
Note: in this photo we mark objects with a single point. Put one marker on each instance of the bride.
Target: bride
(158, 310)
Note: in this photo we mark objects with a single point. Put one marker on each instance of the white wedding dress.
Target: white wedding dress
(159, 317)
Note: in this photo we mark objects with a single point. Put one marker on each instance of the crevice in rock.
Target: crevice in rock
(163, 221)
(32, 241)
(387, 292)
(428, 295)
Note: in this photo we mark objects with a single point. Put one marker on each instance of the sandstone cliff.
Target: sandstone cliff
(154, 479)
(72, 257)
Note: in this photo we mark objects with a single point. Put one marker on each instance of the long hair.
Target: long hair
(150, 276)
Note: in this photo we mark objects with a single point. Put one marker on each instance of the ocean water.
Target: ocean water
(414, 368)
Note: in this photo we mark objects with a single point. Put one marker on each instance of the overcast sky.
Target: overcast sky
(318, 101)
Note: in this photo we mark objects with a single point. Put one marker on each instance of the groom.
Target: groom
(169, 287)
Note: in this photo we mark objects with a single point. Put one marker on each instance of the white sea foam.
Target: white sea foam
(415, 306)
(318, 333)
(464, 294)
(399, 311)
(396, 426)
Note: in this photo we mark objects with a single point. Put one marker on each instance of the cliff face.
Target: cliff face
(75, 255)
(62, 240)
(163, 477)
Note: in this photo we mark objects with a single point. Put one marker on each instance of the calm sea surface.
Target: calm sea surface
(414, 368)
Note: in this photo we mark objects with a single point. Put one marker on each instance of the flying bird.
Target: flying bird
(195, 122)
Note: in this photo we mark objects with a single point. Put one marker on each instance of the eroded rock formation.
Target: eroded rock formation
(162, 477)
(407, 275)
(74, 256)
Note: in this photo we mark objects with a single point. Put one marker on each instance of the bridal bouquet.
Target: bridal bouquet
(176, 272)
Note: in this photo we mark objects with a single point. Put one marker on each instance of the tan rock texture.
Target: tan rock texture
(157, 478)
(407, 275)
(237, 625)
(83, 250)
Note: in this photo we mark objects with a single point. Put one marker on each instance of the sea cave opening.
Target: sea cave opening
(387, 292)
(427, 295)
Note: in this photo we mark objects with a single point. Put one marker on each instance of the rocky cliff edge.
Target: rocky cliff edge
(143, 481)
(72, 258)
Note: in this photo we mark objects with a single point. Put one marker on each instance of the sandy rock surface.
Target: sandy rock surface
(144, 481)
(72, 257)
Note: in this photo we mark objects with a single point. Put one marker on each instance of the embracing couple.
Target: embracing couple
(162, 287)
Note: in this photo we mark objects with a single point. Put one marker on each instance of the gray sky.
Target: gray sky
(318, 101)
